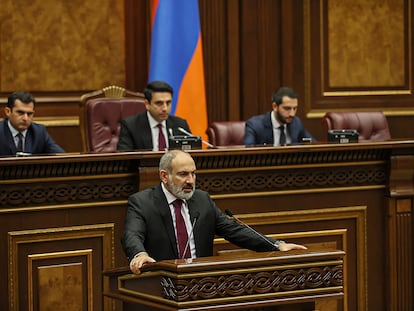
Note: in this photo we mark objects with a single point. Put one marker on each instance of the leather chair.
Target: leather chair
(226, 133)
(101, 113)
(371, 126)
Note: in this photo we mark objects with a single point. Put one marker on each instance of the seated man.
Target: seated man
(150, 130)
(280, 127)
(19, 135)
(174, 220)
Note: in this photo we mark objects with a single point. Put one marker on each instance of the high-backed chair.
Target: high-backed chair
(226, 133)
(101, 113)
(371, 125)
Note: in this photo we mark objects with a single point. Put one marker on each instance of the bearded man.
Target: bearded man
(280, 126)
(174, 220)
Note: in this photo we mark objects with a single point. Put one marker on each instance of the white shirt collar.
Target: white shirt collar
(170, 197)
(14, 131)
(154, 123)
(275, 122)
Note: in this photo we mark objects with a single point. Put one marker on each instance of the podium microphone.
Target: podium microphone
(189, 134)
(231, 215)
(196, 215)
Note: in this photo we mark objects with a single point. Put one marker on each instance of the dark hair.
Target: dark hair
(157, 86)
(277, 96)
(24, 97)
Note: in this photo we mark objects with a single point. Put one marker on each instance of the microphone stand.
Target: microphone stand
(189, 134)
(196, 215)
(230, 214)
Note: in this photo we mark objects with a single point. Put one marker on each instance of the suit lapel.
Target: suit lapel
(268, 132)
(293, 131)
(195, 209)
(11, 145)
(164, 210)
(171, 127)
(28, 142)
(145, 132)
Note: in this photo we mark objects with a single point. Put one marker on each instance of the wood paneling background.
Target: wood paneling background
(59, 46)
(338, 55)
(62, 216)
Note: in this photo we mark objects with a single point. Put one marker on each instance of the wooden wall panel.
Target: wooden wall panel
(365, 44)
(137, 43)
(400, 232)
(217, 60)
(306, 194)
(260, 51)
(61, 45)
(250, 49)
(329, 228)
(359, 56)
(59, 50)
(62, 266)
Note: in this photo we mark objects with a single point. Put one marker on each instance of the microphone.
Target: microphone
(189, 134)
(230, 214)
(196, 215)
(23, 154)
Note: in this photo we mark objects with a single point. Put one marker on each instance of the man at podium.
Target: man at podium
(174, 220)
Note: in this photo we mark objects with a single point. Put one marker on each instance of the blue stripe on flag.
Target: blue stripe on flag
(175, 33)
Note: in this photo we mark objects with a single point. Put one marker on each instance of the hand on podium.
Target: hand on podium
(138, 261)
(290, 246)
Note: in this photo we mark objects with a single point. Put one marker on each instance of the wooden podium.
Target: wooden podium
(294, 280)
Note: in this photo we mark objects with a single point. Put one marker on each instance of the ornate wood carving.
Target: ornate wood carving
(35, 184)
(241, 280)
(254, 283)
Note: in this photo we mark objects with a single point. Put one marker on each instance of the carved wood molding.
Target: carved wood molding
(233, 279)
(333, 178)
(75, 192)
(326, 277)
(310, 157)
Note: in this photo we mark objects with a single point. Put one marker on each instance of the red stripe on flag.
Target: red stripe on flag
(154, 11)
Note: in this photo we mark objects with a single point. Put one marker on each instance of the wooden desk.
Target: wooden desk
(62, 216)
(245, 280)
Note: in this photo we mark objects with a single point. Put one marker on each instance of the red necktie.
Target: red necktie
(162, 145)
(182, 235)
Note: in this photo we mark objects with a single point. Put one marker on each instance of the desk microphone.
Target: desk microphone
(23, 154)
(230, 214)
(196, 215)
(189, 134)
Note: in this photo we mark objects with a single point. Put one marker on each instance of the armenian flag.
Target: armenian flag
(177, 58)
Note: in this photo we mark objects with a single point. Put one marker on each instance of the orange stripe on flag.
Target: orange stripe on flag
(191, 104)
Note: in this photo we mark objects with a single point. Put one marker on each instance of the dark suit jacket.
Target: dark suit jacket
(37, 140)
(136, 134)
(149, 226)
(259, 130)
